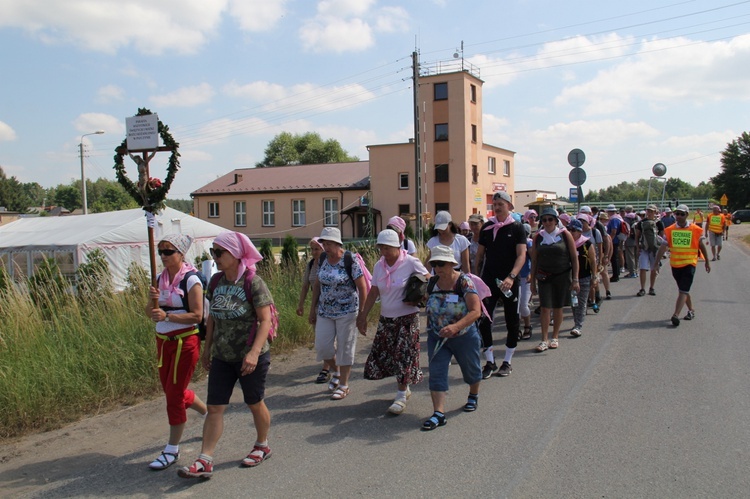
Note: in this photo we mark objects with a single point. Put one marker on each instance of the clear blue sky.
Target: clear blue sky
(630, 83)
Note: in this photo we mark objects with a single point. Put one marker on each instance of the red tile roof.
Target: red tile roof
(327, 176)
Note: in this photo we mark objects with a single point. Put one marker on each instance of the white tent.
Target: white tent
(121, 235)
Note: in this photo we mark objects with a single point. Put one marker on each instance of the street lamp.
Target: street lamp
(83, 175)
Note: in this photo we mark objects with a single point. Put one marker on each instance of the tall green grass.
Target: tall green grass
(64, 355)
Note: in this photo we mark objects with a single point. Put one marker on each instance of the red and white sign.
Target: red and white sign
(499, 186)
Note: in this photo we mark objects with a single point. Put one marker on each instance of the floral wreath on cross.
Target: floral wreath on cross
(149, 193)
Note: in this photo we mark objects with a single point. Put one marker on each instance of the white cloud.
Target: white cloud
(91, 122)
(257, 15)
(665, 71)
(109, 93)
(350, 25)
(7, 133)
(185, 96)
(304, 97)
(106, 25)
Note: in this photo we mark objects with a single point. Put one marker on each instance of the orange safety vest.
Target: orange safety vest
(683, 244)
(716, 223)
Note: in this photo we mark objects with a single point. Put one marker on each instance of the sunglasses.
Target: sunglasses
(680, 214)
(217, 252)
(548, 219)
(167, 252)
(439, 264)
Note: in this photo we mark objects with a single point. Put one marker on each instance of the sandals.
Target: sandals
(541, 347)
(554, 343)
(433, 422)
(472, 403)
(333, 384)
(256, 456)
(164, 461)
(399, 404)
(202, 468)
(322, 377)
(340, 393)
(526, 333)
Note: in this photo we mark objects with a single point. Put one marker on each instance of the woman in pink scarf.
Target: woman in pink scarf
(236, 348)
(179, 311)
(395, 348)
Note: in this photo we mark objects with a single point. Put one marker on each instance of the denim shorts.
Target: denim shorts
(467, 351)
(223, 375)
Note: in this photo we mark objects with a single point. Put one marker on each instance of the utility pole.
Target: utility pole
(83, 172)
(417, 148)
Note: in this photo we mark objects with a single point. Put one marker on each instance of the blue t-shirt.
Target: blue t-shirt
(446, 307)
(338, 294)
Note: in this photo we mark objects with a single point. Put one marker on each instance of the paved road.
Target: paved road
(635, 407)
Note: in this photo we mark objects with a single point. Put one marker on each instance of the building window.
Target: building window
(331, 212)
(442, 207)
(441, 173)
(441, 131)
(269, 213)
(213, 210)
(403, 180)
(403, 209)
(473, 90)
(491, 165)
(298, 212)
(474, 133)
(474, 174)
(441, 91)
(240, 214)
(506, 168)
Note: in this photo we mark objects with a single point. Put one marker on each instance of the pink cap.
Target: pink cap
(398, 223)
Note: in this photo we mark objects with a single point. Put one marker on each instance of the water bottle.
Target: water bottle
(573, 299)
(508, 293)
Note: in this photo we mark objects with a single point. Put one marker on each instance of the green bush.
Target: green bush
(266, 251)
(290, 251)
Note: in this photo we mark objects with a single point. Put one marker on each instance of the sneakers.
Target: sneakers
(675, 321)
(690, 316)
(609, 295)
(651, 292)
(399, 404)
(256, 456)
(203, 468)
(504, 370)
(575, 332)
(490, 368)
(642, 292)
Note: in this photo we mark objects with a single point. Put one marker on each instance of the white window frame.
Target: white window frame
(298, 213)
(240, 214)
(330, 212)
(506, 168)
(403, 181)
(268, 209)
(491, 165)
(213, 209)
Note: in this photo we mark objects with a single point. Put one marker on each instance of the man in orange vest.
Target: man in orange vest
(715, 231)
(683, 240)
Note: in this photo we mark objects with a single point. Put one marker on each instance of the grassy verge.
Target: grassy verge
(64, 356)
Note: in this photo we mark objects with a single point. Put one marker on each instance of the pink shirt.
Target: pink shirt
(391, 299)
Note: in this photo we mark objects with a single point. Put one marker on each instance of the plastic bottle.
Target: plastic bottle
(508, 293)
(573, 298)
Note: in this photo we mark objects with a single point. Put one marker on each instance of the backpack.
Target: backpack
(649, 237)
(630, 222)
(483, 291)
(186, 303)
(348, 262)
(624, 232)
(247, 287)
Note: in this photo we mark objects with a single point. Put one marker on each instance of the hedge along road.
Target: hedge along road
(634, 407)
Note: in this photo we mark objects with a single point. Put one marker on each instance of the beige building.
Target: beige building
(459, 173)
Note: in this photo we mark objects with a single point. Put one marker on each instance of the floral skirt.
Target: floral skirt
(395, 350)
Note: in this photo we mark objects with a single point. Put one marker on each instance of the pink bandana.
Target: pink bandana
(580, 241)
(174, 286)
(497, 225)
(240, 247)
(389, 271)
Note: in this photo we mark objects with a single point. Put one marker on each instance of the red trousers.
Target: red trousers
(175, 383)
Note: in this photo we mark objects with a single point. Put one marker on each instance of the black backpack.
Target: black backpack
(186, 303)
(348, 261)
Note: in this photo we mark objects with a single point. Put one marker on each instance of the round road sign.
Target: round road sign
(576, 158)
(577, 176)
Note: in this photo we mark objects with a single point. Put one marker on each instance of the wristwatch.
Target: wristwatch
(166, 317)
(512, 276)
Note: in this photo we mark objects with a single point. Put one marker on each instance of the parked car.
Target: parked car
(740, 216)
